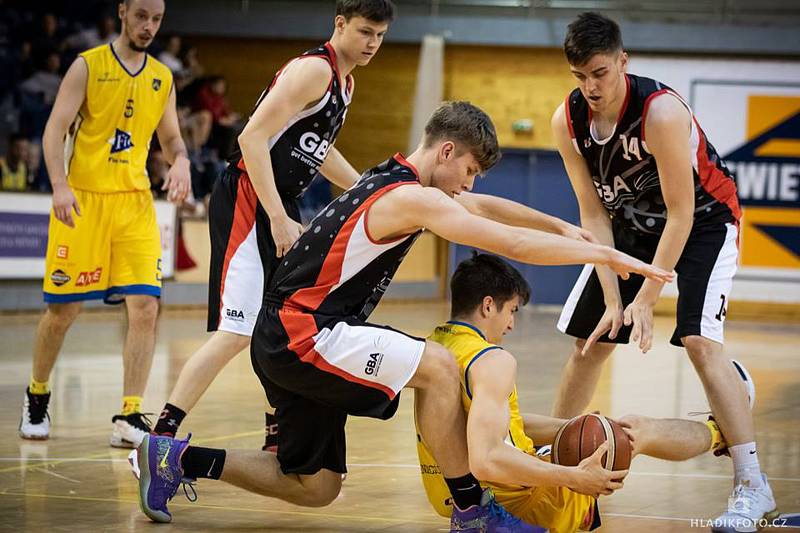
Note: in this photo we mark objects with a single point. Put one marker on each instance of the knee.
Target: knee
(701, 351)
(440, 368)
(143, 310)
(322, 494)
(62, 316)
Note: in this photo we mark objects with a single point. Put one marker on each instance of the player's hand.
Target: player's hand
(594, 479)
(285, 232)
(640, 315)
(63, 203)
(178, 180)
(623, 265)
(610, 322)
(571, 231)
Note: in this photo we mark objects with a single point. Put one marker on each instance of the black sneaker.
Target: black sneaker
(129, 430)
(35, 421)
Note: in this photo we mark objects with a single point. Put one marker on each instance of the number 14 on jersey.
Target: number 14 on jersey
(629, 147)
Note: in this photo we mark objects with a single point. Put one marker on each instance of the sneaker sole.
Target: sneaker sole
(143, 455)
(121, 444)
(33, 437)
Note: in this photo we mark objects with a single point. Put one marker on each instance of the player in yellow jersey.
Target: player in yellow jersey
(96, 142)
(486, 293)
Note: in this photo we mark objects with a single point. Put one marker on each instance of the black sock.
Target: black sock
(200, 462)
(169, 421)
(466, 491)
(270, 431)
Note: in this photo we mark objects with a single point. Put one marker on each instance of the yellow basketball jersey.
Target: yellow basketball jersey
(107, 145)
(468, 344)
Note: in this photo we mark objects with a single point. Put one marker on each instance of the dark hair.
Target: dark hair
(372, 10)
(467, 124)
(590, 34)
(485, 275)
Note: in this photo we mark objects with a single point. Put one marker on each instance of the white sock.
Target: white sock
(745, 464)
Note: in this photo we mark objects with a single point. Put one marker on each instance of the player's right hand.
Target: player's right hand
(623, 265)
(285, 232)
(63, 203)
(594, 479)
(610, 322)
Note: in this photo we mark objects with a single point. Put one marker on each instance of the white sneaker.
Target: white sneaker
(35, 421)
(129, 431)
(133, 460)
(749, 510)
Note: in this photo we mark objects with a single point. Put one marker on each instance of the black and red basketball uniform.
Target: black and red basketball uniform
(242, 249)
(626, 177)
(313, 349)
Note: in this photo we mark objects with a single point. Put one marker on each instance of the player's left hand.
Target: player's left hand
(178, 181)
(575, 232)
(640, 315)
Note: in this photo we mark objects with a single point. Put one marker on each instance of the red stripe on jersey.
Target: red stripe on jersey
(713, 180)
(310, 298)
(569, 117)
(647, 102)
(244, 216)
(627, 99)
(301, 328)
(400, 158)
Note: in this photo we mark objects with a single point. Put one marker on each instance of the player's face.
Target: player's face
(455, 172)
(502, 320)
(360, 38)
(602, 79)
(141, 21)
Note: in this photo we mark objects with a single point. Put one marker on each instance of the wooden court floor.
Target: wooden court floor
(76, 482)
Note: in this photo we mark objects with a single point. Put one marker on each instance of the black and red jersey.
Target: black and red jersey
(299, 149)
(625, 173)
(336, 268)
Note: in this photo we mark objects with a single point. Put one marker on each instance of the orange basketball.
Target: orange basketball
(580, 437)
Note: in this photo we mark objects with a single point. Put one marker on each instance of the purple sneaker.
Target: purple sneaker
(489, 517)
(161, 473)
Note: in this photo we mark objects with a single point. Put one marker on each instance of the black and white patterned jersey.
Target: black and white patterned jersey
(625, 173)
(299, 149)
(336, 268)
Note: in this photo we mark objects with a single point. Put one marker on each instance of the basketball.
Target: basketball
(581, 436)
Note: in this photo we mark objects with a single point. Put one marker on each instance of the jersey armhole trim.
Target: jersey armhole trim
(389, 240)
(475, 358)
(649, 100)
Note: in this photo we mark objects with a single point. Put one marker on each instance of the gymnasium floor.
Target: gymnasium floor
(75, 481)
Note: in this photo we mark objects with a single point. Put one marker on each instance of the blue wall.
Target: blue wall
(535, 178)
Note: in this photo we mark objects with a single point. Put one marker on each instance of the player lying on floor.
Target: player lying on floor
(486, 293)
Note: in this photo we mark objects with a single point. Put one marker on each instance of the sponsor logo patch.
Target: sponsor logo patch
(89, 278)
(373, 364)
(120, 142)
(59, 277)
(234, 314)
(156, 84)
(62, 252)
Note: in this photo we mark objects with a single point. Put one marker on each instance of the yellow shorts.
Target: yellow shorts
(113, 250)
(558, 509)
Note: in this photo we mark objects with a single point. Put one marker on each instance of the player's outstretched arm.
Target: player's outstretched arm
(179, 177)
(542, 429)
(301, 84)
(71, 95)
(515, 214)
(338, 170)
(432, 209)
(491, 380)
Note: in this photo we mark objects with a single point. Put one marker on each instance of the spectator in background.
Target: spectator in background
(43, 84)
(170, 55)
(46, 39)
(102, 33)
(13, 168)
(225, 122)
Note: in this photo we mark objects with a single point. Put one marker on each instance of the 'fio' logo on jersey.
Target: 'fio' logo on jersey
(120, 142)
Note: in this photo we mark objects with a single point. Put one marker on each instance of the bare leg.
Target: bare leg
(50, 334)
(440, 415)
(203, 366)
(579, 379)
(672, 439)
(260, 472)
(137, 356)
(725, 391)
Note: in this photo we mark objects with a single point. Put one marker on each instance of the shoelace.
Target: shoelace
(186, 483)
(37, 407)
(140, 421)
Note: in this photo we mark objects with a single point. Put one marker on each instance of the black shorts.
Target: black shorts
(705, 276)
(317, 369)
(242, 253)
